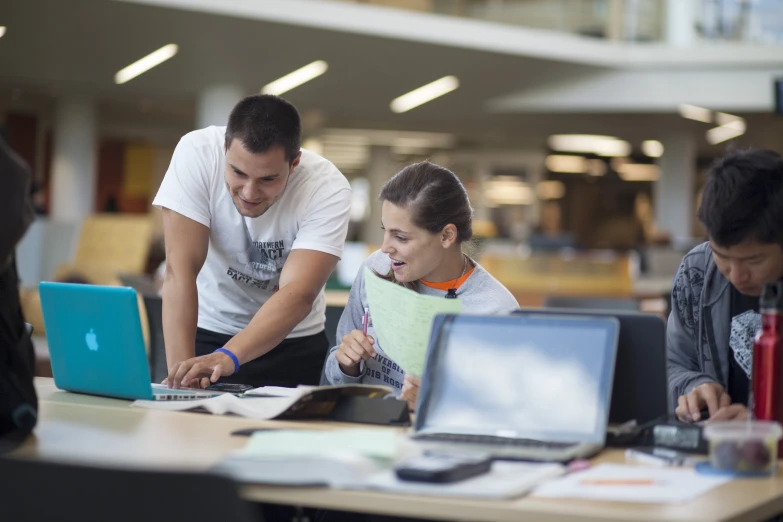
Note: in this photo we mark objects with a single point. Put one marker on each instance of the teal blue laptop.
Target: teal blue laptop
(96, 344)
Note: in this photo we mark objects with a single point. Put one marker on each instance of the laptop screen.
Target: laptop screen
(539, 377)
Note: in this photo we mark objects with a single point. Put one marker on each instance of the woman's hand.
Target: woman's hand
(410, 390)
(354, 348)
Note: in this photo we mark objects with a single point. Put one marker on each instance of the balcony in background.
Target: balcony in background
(749, 21)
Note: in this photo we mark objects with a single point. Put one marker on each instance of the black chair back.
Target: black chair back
(641, 385)
(34, 490)
(158, 367)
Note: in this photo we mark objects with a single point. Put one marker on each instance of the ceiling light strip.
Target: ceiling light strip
(294, 79)
(589, 143)
(726, 132)
(145, 64)
(692, 112)
(424, 94)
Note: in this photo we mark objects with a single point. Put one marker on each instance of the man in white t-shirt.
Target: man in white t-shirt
(254, 226)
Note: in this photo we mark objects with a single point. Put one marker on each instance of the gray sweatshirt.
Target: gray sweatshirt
(699, 329)
(480, 294)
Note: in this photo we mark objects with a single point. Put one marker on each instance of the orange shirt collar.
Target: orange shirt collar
(445, 286)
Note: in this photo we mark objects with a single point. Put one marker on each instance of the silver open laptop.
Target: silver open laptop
(531, 387)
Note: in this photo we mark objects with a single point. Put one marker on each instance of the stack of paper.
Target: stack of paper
(313, 458)
(364, 459)
(374, 443)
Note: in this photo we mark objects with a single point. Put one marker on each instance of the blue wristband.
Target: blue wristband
(233, 358)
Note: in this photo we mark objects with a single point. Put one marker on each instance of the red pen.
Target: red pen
(365, 320)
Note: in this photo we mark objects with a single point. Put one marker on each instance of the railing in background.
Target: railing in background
(757, 21)
(639, 20)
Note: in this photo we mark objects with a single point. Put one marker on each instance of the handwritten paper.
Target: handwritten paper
(402, 320)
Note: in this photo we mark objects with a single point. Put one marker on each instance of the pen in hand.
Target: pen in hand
(365, 320)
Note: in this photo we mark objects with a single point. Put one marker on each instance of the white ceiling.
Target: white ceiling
(58, 46)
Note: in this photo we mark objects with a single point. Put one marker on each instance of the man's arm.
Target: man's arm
(187, 243)
(681, 340)
(683, 365)
(304, 275)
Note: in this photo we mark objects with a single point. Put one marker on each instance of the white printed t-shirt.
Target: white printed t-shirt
(246, 255)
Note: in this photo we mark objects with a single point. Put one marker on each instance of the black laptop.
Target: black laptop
(640, 389)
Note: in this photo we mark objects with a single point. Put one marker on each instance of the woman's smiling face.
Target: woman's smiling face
(415, 252)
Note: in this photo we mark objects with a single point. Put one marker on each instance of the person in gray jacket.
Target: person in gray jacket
(426, 217)
(715, 296)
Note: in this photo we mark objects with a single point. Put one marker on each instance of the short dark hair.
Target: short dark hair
(743, 198)
(435, 197)
(262, 122)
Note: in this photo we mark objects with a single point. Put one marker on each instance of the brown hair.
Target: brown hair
(435, 197)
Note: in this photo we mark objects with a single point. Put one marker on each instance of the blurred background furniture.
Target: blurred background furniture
(592, 303)
(107, 246)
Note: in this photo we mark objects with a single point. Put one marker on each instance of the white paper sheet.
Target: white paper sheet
(354, 471)
(276, 391)
(504, 480)
(263, 406)
(260, 408)
(625, 483)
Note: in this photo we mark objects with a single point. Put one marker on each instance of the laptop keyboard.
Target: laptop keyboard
(492, 440)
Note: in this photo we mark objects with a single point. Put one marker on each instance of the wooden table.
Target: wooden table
(96, 430)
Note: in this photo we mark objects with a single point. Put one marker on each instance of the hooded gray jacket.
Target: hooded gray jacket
(697, 336)
(480, 294)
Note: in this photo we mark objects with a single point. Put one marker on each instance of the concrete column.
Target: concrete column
(615, 24)
(674, 192)
(75, 159)
(535, 165)
(482, 174)
(381, 167)
(680, 22)
(215, 103)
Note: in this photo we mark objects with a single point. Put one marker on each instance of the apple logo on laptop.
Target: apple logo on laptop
(92, 340)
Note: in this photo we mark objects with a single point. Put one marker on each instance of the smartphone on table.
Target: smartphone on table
(443, 468)
(228, 387)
